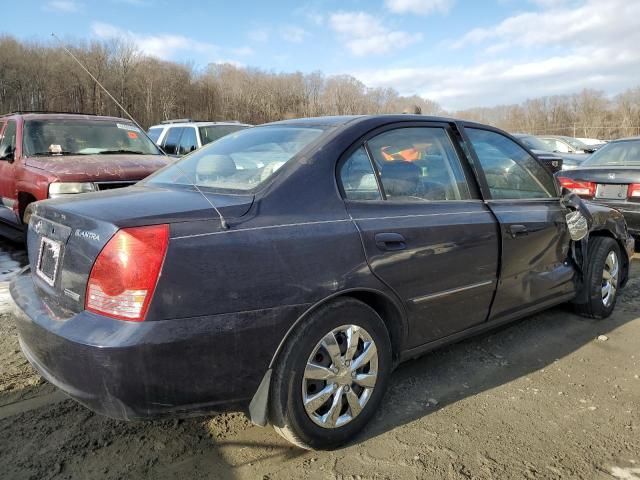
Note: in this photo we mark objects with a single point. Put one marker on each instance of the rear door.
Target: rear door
(425, 231)
(7, 171)
(535, 239)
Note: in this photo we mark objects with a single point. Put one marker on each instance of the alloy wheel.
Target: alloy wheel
(340, 376)
(610, 278)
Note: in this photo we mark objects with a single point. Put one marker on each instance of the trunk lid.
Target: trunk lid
(610, 175)
(67, 234)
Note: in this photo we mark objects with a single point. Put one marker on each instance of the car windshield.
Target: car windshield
(211, 133)
(619, 154)
(534, 143)
(577, 144)
(241, 160)
(59, 137)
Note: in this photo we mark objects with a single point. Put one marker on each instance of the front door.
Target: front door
(535, 239)
(425, 231)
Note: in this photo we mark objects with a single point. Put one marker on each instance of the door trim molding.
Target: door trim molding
(444, 293)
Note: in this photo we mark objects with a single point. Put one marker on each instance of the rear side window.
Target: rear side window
(358, 178)
(510, 171)
(211, 133)
(154, 134)
(188, 141)
(171, 140)
(418, 164)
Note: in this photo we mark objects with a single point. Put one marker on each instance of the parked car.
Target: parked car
(569, 160)
(298, 284)
(553, 161)
(592, 142)
(48, 155)
(182, 136)
(611, 176)
(564, 144)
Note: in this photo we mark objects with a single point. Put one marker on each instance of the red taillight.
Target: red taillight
(634, 190)
(125, 274)
(582, 188)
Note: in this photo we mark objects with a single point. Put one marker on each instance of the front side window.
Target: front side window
(510, 171)
(418, 164)
(240, 161)
(59, 137)
(8, 140)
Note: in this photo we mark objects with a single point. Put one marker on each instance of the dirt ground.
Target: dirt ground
(543, 398)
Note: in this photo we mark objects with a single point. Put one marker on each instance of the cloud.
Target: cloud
(555, 51)
(64, 6)
(170, 47)
(260, 35)
(563, 25)
(163, 45)
(364, 34)
(419, 7)
(293, 34)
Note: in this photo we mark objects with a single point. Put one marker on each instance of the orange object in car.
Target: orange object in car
(408, 154)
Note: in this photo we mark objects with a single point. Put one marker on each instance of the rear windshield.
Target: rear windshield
(620, 154)
(59, 137)
(240, 161)
(211, 133)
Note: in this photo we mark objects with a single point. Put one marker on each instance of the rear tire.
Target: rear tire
(601, 279)
(354, 370)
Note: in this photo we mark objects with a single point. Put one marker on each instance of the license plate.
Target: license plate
(613, 192)
(48, 260)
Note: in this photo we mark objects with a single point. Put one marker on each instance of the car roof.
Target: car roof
(625, 139)
(63, 115)
(341, 120)
(199, 124)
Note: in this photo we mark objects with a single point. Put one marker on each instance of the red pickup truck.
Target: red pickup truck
(46, 155)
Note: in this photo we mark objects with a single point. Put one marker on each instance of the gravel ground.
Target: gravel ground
(552, 396)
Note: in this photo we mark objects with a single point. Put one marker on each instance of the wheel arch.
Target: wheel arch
(390, 311)
(625, 257)
(24, 200)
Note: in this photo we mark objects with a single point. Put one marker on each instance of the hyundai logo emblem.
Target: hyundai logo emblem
(612, 176)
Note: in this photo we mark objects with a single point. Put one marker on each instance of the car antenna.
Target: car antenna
(223, 223)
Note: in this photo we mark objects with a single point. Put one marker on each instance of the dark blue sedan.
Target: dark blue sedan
(292, 266)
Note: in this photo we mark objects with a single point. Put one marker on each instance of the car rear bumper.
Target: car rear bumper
(134, 370)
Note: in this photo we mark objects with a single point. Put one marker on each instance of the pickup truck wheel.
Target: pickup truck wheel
(331, 375)
(602, 277)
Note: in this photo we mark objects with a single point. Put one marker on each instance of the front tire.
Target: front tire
(602, 278)
(331, 375)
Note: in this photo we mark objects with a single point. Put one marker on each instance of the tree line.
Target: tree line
(41, 76)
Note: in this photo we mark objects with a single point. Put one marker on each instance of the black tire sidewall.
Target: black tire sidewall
(602, 248)
(294, 360)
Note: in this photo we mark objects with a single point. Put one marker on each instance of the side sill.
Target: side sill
(483, 327)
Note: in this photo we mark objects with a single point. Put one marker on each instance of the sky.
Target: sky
(459, 53)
